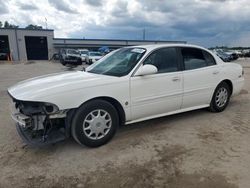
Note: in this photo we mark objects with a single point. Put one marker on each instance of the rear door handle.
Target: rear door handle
(216, 72)
(175, 79)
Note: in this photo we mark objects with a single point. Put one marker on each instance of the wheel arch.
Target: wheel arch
(229, 83)
(115, 103)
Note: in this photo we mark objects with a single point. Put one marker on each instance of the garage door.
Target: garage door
(36, 48)
(4, 47)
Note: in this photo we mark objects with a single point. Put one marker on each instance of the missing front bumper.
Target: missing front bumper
(22, 120)
(36, 138)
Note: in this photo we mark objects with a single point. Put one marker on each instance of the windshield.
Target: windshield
(95, 54)
(118, 63)
(84, 52)
(73, 52)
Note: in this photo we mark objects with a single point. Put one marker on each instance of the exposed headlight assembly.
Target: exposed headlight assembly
(50, 108)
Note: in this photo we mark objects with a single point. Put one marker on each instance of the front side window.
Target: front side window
(194, 58)
(164, 59)
(118, 63)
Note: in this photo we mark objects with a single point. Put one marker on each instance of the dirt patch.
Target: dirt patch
(202, 179)
(210, 135)
(243, 92)
(162, 171)
(3, 93)
(29, 62)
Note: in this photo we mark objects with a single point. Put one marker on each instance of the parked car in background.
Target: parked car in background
(246, 53)
(84, 53)
(233, 54)
(104, 49)
(93, 57)
(129, 85)
(70, 57)
(225, 57)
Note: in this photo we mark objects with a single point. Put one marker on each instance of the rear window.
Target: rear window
(209, 58)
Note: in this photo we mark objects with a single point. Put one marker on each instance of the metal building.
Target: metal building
(24, 44)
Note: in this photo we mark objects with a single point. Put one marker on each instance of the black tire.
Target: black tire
(214, 106)
(79, 62)
(83, 112)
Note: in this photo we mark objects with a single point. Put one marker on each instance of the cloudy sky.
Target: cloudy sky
(204, 22)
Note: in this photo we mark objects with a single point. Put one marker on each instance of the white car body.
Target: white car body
(141, 97)
(145, 96)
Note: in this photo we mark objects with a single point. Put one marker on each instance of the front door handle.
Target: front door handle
(175, 79)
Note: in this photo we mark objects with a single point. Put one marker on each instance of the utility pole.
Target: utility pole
(46, 23)
(144, 34)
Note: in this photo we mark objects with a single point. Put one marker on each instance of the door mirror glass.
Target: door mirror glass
(146, 70)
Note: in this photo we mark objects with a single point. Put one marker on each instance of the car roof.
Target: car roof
(155, 46)
(94, 52)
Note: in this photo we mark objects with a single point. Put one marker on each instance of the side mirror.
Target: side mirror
(146, 70)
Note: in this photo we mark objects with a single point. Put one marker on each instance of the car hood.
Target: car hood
(37, 89)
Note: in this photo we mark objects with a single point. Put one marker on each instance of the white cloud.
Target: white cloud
(206, 22)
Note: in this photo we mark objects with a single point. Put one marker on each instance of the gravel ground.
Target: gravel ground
(193, 149)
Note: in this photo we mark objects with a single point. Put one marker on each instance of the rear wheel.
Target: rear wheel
(220, 98)
(95, 123)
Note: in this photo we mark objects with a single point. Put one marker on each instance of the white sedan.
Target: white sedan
(129, 85)
(93, 57)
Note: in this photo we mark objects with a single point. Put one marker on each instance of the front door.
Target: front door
(160, 93)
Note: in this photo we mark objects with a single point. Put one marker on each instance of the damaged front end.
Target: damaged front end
(40, 123)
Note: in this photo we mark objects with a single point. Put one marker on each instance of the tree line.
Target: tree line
(8, 25)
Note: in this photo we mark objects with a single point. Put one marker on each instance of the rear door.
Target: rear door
(200, 75)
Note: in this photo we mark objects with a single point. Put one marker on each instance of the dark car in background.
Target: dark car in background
(70, 57)
(233, 55)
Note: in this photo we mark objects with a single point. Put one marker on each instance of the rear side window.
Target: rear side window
(209, 58)
(195, 58)
(164, 59)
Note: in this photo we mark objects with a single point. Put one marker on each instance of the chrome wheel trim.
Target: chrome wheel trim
(97, 124)
(221, 97)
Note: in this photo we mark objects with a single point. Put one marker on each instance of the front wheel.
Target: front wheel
(220, 98)
(95, 123)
